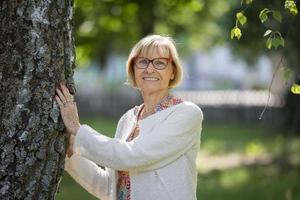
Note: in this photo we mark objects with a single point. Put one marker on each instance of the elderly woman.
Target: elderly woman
(153, 153)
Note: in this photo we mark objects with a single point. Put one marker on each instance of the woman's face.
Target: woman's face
(151, 80)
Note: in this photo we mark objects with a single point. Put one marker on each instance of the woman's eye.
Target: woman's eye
(143, 62)
(159, 63)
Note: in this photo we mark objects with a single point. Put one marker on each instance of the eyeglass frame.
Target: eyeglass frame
(151, 61)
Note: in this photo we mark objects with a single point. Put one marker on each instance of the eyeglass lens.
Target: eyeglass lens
(158, 63)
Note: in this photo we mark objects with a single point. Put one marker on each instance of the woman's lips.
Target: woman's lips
(150, 79)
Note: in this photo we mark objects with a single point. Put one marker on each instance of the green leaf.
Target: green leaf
(236, 32)
(241, 18)
(291, 6)
(295, 89)
(267, 32)
(232, 33)
(263, 15)
(277, 16)
(276, 42)
(281, 42)
(269, 43)
(275, 39)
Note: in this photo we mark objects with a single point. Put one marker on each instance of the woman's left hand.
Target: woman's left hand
(68, 109)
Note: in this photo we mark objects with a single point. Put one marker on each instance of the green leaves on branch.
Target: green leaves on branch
(274, 40)
(295, 89)
(291, 6)
(236, 31)
(263, 15)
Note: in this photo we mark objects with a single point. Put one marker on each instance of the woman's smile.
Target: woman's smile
(152, 79)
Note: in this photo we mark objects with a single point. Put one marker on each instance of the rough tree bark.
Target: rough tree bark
(36, 52)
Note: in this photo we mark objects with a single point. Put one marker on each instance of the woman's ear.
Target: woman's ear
(174, 71)
(172, 77)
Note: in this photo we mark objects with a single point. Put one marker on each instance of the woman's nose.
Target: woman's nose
(150, 68)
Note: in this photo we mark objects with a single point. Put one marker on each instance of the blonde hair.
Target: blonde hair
(150, 44)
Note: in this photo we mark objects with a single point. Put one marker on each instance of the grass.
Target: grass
(259, 182)
(248, 184)
(245, 138)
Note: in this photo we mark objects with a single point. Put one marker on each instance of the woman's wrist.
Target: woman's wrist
(75, 129)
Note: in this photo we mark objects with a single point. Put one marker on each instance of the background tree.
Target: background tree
(107, 27)
(36, 52)
(104, 27)
(272, 25)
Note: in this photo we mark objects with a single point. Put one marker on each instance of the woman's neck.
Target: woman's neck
(151, 100)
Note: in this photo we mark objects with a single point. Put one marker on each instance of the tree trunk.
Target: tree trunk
(36, 53)
(146, 16)
(292, 101)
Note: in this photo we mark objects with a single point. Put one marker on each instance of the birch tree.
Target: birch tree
(36, 53)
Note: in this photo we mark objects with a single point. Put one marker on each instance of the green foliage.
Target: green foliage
(101, 27)
(291, 6)
(241, 18)
(236, 32)
(295, 89)
(274, 37)
(263, 15)
(274, 40)
(105, 27)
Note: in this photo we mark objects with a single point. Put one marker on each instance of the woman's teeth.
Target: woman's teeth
(150, 79)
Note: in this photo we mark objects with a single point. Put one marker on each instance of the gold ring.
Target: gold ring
(71, 98)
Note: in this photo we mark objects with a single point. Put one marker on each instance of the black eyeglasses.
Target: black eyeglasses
(158, 63)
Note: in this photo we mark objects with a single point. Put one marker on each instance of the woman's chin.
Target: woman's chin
(151, 90)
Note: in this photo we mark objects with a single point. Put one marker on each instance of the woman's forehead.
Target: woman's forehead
(155, 51)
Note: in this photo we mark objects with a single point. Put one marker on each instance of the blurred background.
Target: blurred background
(250, 145)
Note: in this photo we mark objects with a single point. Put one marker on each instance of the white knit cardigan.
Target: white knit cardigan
(161, 160)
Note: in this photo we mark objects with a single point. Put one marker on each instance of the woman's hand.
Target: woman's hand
(68, 109)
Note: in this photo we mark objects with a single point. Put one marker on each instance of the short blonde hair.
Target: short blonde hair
(151, 43)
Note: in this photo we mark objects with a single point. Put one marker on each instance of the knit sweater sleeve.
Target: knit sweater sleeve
(161, 146)
(89, 175)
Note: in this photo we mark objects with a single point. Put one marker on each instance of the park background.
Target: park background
(241, 156)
